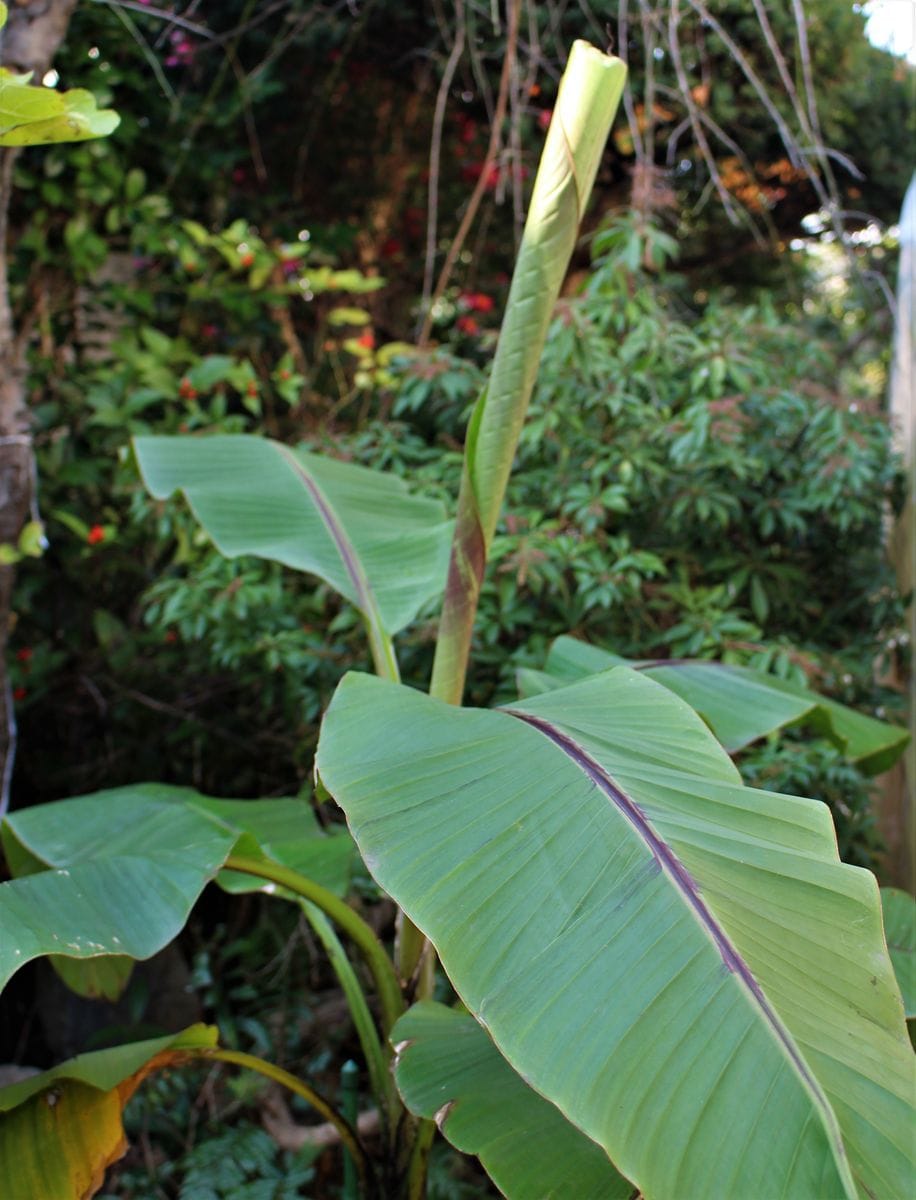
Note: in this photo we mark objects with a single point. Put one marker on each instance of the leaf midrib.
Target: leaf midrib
(682, 880)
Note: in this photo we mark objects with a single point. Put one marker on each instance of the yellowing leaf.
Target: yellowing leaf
(61, 1130)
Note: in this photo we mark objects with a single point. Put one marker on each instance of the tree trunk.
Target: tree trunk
(896, 818)
(29, 42)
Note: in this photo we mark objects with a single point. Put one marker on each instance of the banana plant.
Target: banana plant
(667, 982)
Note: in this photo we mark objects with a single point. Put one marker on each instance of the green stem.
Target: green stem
(419, 1160)
(349, 1094)
(356, 929)
(380, 1078)
(347, 1133)
(383, 656)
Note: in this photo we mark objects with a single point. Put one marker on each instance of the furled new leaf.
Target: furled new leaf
(117, 873)
(671, 958)
(738, 704)
(359, 530)
(60, 1130)
(448, 1069)
(900, 931)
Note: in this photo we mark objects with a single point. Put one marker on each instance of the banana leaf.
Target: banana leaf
(111, 877)
(680, 964)
(739, 705)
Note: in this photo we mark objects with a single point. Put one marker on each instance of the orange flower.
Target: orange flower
(366, 340)
(466, 325)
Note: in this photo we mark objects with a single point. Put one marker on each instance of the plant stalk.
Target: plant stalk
(378, 962)
(380, 1078)
(294, 1084)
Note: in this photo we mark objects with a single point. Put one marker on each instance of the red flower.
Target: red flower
(24, 655)
(466, 325)
(544, 116)
(19, 693)
(251, 389)
(468, 129)
(477, 302)
(95, 535)
(366, 340)
(246, 260)
(187, 390)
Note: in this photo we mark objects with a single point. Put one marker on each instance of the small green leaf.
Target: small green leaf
(65, 117)
(348, 316)
(214, 369)
(32, 540)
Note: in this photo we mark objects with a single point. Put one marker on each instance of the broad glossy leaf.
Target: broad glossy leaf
(117, 872)
(60, 1130)
(447, 1069)
(36, 116)
(681, 964)
(359, 530)
(739, 705)
(900, 931)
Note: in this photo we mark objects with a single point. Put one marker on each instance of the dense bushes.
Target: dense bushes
(687, 485)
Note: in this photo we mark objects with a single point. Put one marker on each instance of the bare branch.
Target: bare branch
(489, 162)
(435, 151)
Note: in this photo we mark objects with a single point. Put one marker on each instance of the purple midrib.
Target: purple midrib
(341, 541)
(678, 873)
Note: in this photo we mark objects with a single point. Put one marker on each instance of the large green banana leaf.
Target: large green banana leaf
(900, 930)
(681, 964)
(116, 873)
(739, 705)
(60, 1130)
(359, 530)
(447, 1069)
